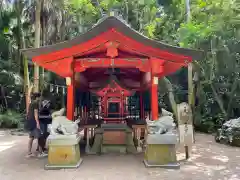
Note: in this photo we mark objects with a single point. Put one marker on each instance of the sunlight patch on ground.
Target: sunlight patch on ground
(194, 149)
(234, 177)
(2, 133)
(208, 170)
(221, 158)
(193, 157)
(6, 145)
(180, 156)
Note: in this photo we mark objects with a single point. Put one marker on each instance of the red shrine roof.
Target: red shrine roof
(111, 43)
(106, 24)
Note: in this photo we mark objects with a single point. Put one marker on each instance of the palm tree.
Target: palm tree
(37, 41)
(190, 66)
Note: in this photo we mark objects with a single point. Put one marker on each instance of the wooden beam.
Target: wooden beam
(82, 63)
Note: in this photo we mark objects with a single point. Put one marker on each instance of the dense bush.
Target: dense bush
(11, 119)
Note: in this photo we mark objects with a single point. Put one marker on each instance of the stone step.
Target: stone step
(114, 149)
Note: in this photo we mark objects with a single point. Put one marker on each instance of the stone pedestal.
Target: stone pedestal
(63, 151)
(161, 151)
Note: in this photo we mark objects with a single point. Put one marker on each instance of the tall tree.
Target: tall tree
(37, 41)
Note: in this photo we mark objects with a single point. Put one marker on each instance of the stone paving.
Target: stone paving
(209, 160)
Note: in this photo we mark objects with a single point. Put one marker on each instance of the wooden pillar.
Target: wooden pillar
(104, 108)
(141, 106)
(70, 98)
(87, 147)
(154, 98)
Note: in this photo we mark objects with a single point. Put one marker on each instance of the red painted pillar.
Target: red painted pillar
(154, 98)
(70, 100)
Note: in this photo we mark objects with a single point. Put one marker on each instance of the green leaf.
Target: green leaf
(6, 30)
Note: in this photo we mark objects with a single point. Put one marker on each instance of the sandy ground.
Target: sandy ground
(208, 161)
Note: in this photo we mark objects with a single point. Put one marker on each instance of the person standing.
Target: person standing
(34, 126)
(45, 119)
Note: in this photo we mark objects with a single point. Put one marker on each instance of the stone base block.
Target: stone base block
(161, 139)
(64, 152)
(167, 166)
(56, 167)
(114, 149)
(160, 155)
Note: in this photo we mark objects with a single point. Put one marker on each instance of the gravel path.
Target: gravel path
(208, 161)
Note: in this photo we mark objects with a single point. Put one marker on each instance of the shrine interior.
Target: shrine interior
(112, 95)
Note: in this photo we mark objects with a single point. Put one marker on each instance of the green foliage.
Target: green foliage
(10, 119)
(214, 27)
(192, 33)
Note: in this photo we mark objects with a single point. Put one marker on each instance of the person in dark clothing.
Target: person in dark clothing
(45, 119)
(33, 125)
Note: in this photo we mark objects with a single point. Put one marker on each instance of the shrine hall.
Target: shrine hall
(109, 65)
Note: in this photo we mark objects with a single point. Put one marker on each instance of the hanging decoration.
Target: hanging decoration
(55, 86)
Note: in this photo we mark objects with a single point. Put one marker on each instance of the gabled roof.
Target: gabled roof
(106, 24)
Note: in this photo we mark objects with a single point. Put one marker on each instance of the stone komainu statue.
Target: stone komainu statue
(164, 124)
(61, 125)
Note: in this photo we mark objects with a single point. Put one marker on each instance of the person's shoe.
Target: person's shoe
(41, 155)
(29, 155)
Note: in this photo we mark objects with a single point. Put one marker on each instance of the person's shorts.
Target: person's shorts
(37, 133)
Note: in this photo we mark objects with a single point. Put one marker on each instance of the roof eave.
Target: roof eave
(106, 24)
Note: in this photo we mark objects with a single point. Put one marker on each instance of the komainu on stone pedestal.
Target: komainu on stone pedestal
(62, 125)
(63, 143)
(160, 143)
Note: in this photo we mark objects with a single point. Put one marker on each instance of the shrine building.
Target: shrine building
(113, 62)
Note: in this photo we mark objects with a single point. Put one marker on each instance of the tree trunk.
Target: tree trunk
(191, 96)
(44, 33)
(190, 65)
(126, 10)
(19, 13)
(233, 90)
(23, 59)
(4, 98)
(219, 100)
(62, 27)
(26, 82)
(37, 42)
(171, 95)
(25, 73)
